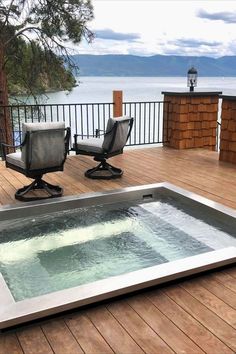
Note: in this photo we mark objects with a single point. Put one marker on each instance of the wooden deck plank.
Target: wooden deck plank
(218, 289)
(232, 272)
(118, 339)
(5, 198)
(33, 341)
(197, 312)
(226, 279)
(8, 188)
(202, 314)
(188, 324)
(169, 333)
(188, 171)
(138, 329)
(160, 165)
(73, 173)
(9, 344)
(212, 302)
(60, 338)
(87, 335)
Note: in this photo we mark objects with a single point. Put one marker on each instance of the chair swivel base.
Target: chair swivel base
(104, 171)
(38, 184)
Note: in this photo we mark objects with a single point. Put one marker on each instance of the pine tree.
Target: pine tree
(46, 25)
(36, 71)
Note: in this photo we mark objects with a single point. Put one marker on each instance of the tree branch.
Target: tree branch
(8, 13)
(17, 34)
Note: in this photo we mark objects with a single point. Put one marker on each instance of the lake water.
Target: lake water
(99, 89)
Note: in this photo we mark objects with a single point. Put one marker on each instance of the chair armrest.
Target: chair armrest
(94, 135)
(11, 146)
(5, 146)
(75, 135)
(98, 134)
(84, 135)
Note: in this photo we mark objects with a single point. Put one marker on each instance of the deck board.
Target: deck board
(87, 335)
(218, 289)
(60, 338)
(197, 332)
(148, 339)
(201, 313)
(10, 344)
(118, 339)
(191, 316)
(211, 301)
(158, 321)
(33, 341)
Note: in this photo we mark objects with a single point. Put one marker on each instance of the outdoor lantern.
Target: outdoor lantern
(192, 78)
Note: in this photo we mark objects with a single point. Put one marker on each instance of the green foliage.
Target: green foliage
(33, 34)
(57, 20)
(34, 70)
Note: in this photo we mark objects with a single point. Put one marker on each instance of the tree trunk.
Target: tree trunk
(5, 121)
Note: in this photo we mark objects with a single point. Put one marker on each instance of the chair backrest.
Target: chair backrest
(44, 145)
(117, 133)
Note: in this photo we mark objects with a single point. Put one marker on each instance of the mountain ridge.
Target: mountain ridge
(156, 65)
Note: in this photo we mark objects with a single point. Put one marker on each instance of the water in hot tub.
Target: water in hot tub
(66, 249)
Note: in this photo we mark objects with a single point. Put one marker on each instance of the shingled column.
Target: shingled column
(190, 119)
(228, 129)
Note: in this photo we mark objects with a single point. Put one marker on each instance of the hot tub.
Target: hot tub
(61, 254)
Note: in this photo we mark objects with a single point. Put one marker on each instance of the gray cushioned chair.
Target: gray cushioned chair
(114, 139)
(43, 150)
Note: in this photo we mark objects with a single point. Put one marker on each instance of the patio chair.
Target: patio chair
(43, 150)
(115, 137)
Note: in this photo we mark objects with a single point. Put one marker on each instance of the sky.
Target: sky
(170, 27)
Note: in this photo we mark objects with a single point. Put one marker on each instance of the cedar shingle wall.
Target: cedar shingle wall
(228, 131)
(192, 121)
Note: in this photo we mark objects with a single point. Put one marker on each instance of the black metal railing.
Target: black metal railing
(148, 125)
(85, 118)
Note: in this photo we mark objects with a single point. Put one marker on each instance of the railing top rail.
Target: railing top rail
(55, 104)
(143, 102)
(74, 104)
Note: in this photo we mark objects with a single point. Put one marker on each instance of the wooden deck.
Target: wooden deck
(191, 316)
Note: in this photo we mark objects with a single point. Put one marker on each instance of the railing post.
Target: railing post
(118, 103)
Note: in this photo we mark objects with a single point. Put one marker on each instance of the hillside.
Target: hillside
(33, 70)
(157, 65)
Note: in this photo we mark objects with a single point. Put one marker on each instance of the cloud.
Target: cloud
(227, 17)
(164, 46)
(192, 47)
(231, 47)
(194, 43)
(190, 52)
(116, 36)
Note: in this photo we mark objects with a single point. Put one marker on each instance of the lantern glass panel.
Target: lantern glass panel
(192, 80)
